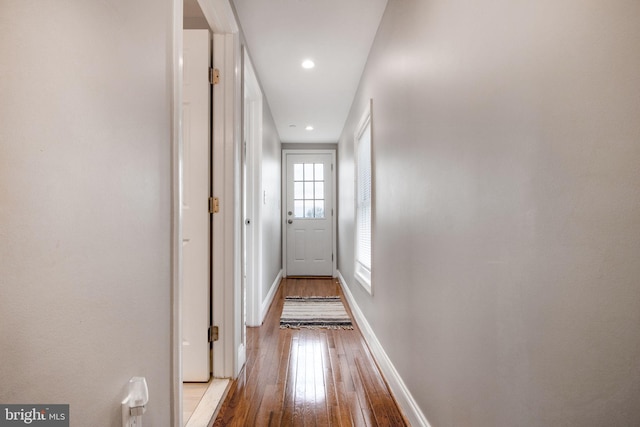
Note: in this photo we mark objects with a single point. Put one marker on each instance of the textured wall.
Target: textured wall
(507, 228)
(85, 205)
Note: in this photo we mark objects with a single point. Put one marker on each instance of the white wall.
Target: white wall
(507, 228)
(85, 205)
(271, 199)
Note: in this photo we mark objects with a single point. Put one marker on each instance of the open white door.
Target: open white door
(309, 214)
(195, 209)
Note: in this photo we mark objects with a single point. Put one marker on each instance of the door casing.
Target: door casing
(229, 355)
(253, 191)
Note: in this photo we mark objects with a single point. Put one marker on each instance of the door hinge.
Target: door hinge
(213, 333)
(214, 76)
(331, 257)
(214, 205)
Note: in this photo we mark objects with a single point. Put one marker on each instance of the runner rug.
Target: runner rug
(314, 313)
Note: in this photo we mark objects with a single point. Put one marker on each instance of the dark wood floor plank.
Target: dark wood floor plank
(308, 377)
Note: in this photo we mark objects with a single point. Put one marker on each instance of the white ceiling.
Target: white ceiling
(336, 34)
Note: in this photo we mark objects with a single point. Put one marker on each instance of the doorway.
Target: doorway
(309, 213)
(226, 223)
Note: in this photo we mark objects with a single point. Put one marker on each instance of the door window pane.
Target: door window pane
(319, 193)
(298, 208)
(308, 190)
(308, 171)
(319, 209)
(298, 191)
(308, 209)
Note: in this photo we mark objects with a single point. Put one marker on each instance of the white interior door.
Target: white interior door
(309, 214)
(195, 209)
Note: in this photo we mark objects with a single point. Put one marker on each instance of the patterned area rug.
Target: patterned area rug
(314, 313)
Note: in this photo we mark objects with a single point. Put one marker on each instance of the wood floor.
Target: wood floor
(308, 377)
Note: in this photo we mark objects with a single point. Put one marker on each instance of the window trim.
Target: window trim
(362, 273)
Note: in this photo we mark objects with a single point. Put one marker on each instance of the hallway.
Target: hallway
(308, 377)
(505, 210)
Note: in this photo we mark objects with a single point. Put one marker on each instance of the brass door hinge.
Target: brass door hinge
(214, 205)
(214, 76)
(213, 333)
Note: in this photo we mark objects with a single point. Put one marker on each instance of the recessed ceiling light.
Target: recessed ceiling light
(308, 64)
(309, 127)
(292, 126)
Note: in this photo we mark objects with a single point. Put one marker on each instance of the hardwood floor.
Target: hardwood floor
(308, 377)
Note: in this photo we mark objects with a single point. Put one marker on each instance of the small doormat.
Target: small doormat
(314, 313)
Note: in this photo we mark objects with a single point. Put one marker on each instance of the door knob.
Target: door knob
(290, 221)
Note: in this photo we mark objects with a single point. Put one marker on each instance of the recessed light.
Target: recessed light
(309, 127)
(292, 126)
(308, 64)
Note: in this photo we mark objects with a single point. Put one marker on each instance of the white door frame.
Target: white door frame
(334, 243)
(252, 137)
(228, 351)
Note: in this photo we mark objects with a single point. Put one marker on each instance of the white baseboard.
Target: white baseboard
(400, 391)
(270, 295)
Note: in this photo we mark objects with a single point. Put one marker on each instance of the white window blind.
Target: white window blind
(364, 186)
(364, 198)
